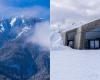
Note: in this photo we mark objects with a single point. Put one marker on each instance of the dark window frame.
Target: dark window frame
(94, 43)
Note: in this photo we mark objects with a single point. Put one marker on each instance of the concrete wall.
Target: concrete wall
(90, 26)
(63, 35)
(79, 39)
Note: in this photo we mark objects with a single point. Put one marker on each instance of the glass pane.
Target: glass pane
(92, 44)
(70, 43)
(96, 43)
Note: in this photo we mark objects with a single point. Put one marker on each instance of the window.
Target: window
(94, 44)
(70, 43)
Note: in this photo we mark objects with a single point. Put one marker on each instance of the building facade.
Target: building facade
(85, 37)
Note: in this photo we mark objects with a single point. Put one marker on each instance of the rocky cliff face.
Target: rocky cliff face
(21, 60)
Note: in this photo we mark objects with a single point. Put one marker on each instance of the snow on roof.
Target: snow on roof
(73, 26)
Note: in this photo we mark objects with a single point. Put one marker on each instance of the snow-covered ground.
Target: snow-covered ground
(69, 64)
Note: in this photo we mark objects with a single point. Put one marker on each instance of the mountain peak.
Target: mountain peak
(13, 28)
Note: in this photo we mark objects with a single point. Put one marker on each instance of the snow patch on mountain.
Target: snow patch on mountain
(23, 21)
(25, 29)
(13, 21)
(1, 28)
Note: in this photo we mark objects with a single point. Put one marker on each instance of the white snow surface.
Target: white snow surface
(70, 64)
(56, 40)
(12, 21)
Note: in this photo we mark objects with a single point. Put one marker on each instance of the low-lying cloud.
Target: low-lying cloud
(41, 34)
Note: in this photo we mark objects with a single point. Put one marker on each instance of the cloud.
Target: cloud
(41, 34)
(33, 11)
(70, 11)
(6, 10)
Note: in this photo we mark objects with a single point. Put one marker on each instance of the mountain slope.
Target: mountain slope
(19, 59)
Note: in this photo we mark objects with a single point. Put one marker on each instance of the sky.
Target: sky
(78, 12)
(25, 8)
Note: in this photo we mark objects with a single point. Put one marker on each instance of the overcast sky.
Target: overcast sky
(74, 11)
(25, 8)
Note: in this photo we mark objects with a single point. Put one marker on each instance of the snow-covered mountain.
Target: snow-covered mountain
(19, 59)
(12, 28)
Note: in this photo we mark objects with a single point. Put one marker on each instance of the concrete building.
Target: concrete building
(85, 37)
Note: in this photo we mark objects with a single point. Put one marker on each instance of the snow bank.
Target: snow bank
(56, 40)
(69, 64)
